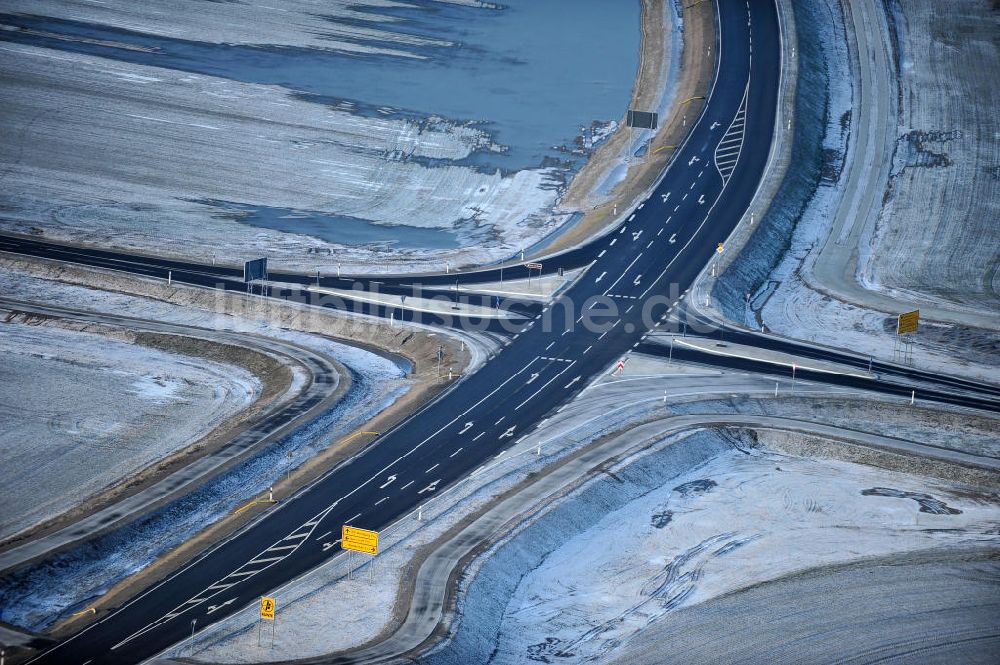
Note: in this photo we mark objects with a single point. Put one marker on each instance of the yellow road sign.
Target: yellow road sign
(908, 322)
(720, 248)
(267, 607)
(359, 540)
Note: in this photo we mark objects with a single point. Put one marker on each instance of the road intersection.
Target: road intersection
(636, 280)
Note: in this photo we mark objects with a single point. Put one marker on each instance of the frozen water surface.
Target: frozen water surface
(525, 74)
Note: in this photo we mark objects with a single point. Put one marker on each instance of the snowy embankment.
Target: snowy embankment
(80, 411)
(772, 239)
(679, 524)
(857, 235)
(38, 596)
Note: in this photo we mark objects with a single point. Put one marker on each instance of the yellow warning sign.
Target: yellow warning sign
(908, 322)
(720, 248)
(359, 540)
(267, 607)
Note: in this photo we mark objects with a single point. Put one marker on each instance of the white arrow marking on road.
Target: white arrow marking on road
(600, 277)
(693, 160)
(212, 608)
(431, 487)
(509, 432)
(714, 125)
(635, 236)
(701, 199)
(637, 278)
(571, 382)
(467, 427)
(534, 376)
(665, 196)
(388, 481)
(673, 239)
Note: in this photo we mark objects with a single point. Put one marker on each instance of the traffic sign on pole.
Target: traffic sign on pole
(359, 540)
(267, 607)
(908, 322)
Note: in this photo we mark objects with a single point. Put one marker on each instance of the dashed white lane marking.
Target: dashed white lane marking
(476, 438)
(456, 452)
(324, 535)
(430, 488)
(406, 485)
(352, 519)
(501, 419)
(550, 345)
(603, 252)
(632, 217)
(432, 468)
(588, 348)
(385, 498)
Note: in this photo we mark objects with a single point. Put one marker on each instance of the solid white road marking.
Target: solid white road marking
(212, 608)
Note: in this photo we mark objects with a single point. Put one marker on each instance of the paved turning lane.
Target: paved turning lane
(638, 273)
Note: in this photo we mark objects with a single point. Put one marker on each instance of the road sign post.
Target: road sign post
(359, 540)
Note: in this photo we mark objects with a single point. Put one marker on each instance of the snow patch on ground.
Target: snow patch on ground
(80, 411)
(37, 596)
(663, 532)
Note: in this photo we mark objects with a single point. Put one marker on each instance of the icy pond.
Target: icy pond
(533, 74)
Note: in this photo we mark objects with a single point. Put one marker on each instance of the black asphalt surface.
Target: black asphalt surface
(639, 273)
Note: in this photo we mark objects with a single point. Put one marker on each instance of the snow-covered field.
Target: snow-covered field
(80, 411)
(654, 536)
(37, 596)
(913, 224)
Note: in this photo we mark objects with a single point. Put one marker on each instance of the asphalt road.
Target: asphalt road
(637, 276)
(657, 252)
